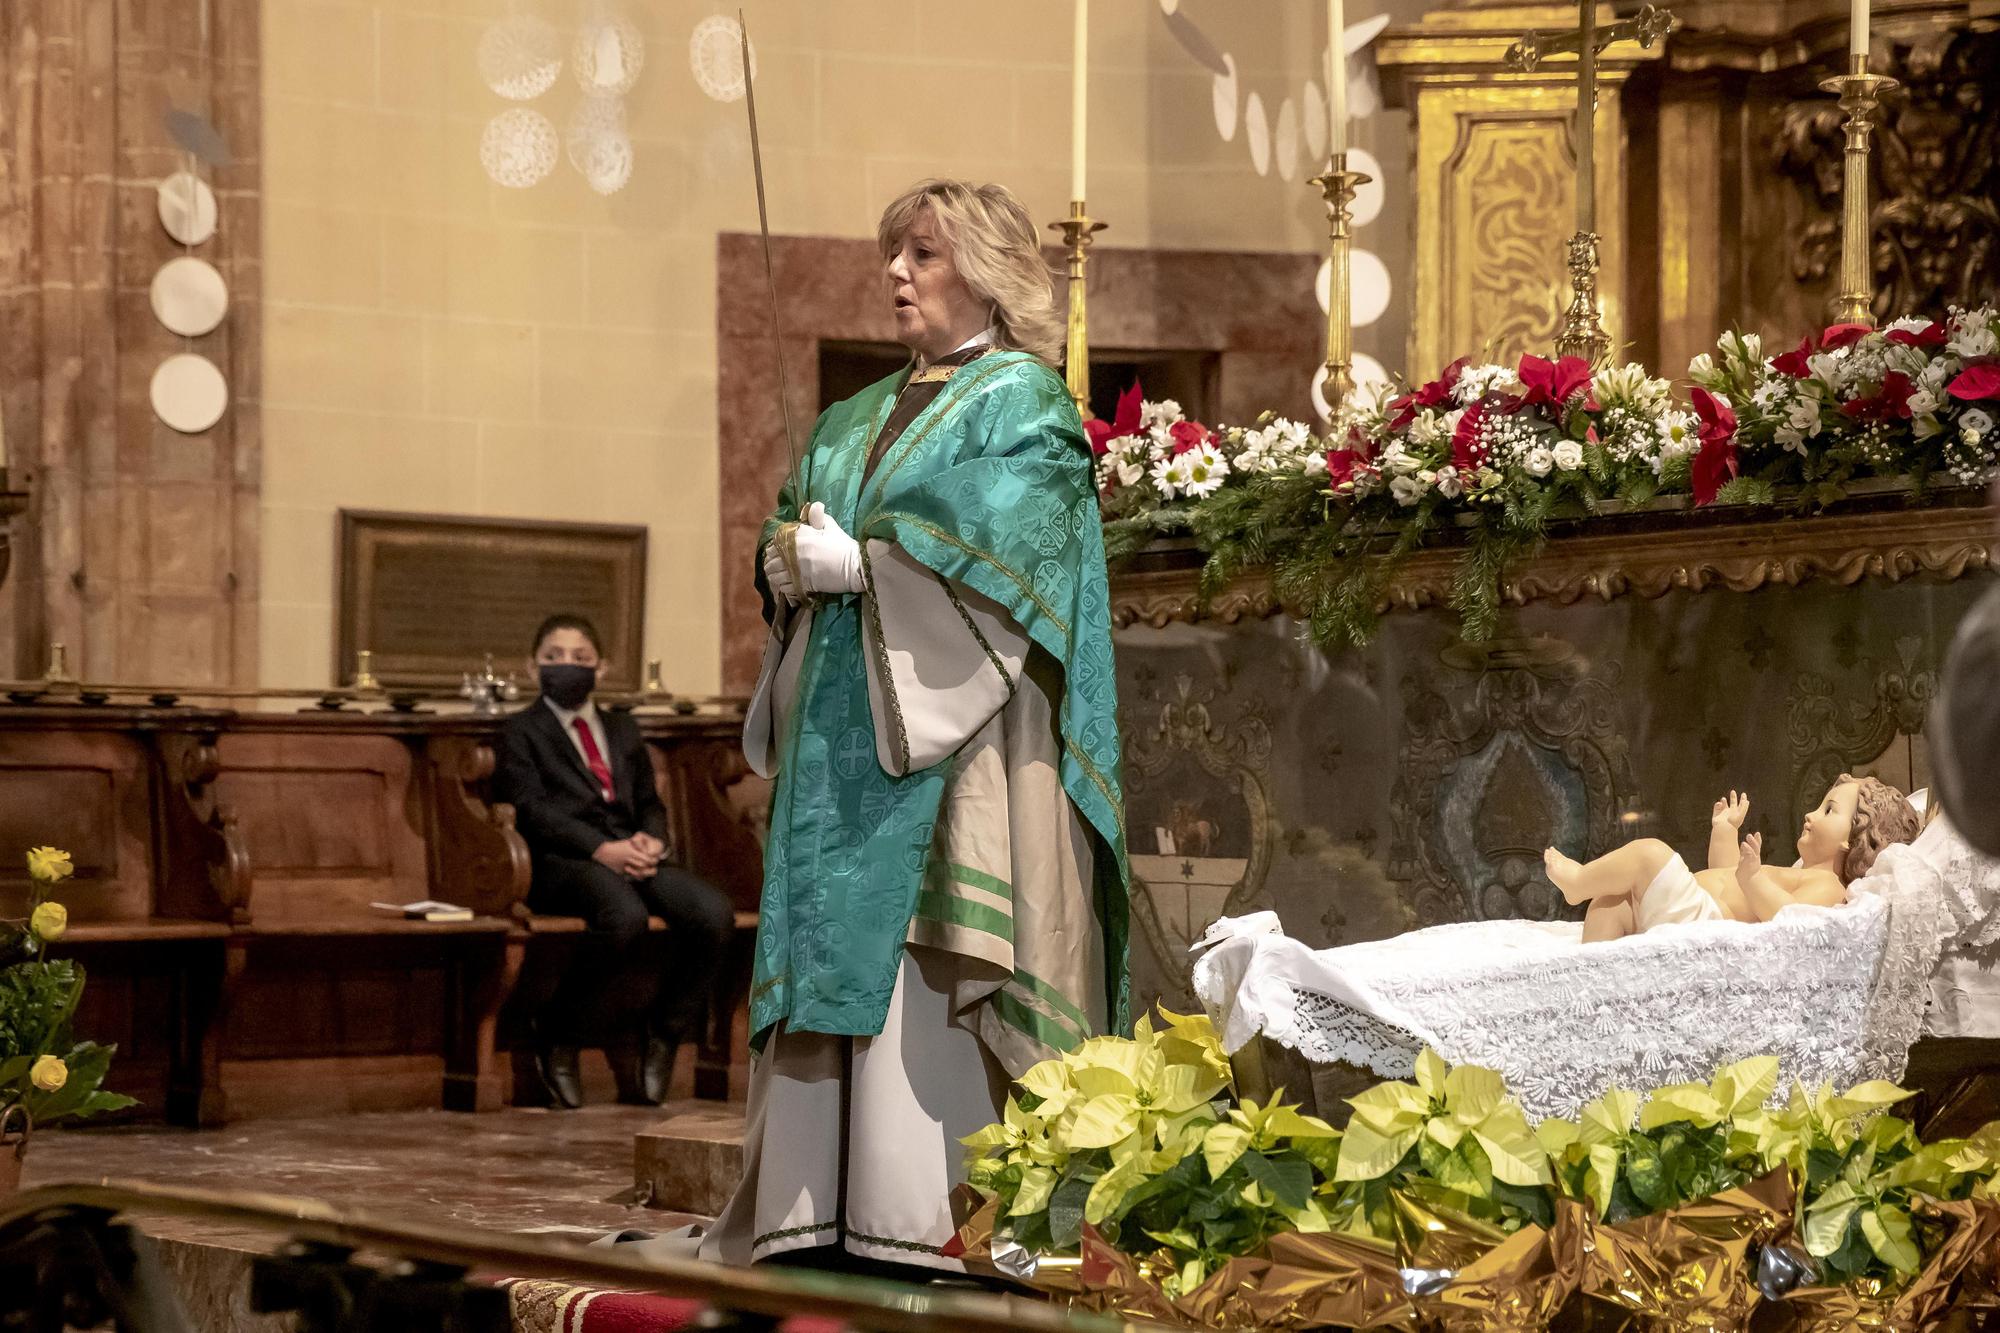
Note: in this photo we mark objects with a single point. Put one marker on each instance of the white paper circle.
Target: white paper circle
(187, 208)
(1287, 144)
(189, 393)
(594, 120)
(1169, 6)
(608, 55)
(520, 56)
(1321, 408)
(519, 148)
(1314, 113)
(189, 296)
(607, 164)
(1368, 277)
(1258, 132)
(1368, 196)
(715, 54)
(1223, 91)
(1368, 372)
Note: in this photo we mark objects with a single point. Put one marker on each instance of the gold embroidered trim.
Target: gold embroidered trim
(874, 604)
(973, 625)
(936, 413)
(1098, 780)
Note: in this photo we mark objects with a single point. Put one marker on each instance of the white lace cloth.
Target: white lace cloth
(1561, 1020)
(1965, 983)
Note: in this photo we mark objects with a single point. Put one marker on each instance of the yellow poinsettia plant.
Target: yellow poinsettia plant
(43, 1068)
(1135, 1137)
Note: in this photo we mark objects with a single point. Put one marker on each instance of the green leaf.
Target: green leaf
(1600, 1176)
(1066, 1212)
(1888, 1231)
(1467, 1170)
(1646, 1173)
(1288, 1178)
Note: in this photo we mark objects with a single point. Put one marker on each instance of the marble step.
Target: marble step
(690, 1161)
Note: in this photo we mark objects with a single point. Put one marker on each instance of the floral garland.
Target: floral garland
(1492, 453)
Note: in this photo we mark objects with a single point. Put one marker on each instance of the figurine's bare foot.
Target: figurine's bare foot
(1565, 874)
(1749, 859)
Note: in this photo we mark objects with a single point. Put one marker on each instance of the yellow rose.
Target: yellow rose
(50, 865)
(49, 1074)
(49, 921)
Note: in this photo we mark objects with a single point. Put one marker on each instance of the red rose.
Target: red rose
(1931, 335)
(1794, 362)
(1842, 335)
(1891, 402)
(1188, 435)
(1976, 383)
(1715, 462)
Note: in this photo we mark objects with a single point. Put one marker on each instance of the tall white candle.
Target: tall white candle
(1079, 91)
(1857, 27)
(1336, 76)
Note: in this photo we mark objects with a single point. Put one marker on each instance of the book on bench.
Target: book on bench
(428, 909)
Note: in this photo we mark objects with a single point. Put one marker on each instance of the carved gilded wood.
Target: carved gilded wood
(1893, 545)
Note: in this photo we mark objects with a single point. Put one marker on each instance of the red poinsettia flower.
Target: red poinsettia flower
(1188, 435)
(1345, 463)
(1715, 462)
(1467, 451)
(1552, 384)
(1931, 335)
(1976, 383)
(1890, 404)
(1795, 362)
(1435, 394)
(1842, 335)
(1126, 422)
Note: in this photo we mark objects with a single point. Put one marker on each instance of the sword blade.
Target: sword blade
(770, 274)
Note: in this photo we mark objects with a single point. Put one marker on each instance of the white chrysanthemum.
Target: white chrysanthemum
(1206, 468)
(1406, 490)
(1539, 461)
(1568, 455)
(1677, 436)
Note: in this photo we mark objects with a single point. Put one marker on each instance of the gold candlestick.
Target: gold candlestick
(1858, 90)
(1077, 230)
(364, 673)
(1582, 332)
(1338, 185)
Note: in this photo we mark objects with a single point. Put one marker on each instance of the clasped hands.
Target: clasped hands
(636, 857)
(826, 559)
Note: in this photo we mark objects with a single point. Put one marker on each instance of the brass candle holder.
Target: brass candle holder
(364, 673)
(1338, 185)
(1582, 332)
(1077, 230)
(1859, 92)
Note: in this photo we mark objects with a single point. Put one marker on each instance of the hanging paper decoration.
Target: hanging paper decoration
(519, 148)
(520, 56)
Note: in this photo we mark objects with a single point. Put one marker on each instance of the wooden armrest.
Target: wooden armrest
(384, 925)
(158, 929)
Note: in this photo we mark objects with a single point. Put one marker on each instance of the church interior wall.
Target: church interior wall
(435, 342)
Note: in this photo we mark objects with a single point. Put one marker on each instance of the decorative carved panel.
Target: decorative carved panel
(1935, 215)
(1513, 208)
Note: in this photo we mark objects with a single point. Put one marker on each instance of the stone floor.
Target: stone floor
(515, 1170)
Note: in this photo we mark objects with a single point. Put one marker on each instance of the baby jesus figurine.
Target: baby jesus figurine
(1646, 883)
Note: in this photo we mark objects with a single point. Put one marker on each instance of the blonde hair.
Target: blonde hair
(995, 249)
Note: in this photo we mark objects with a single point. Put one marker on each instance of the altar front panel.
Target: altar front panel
(1362, 793)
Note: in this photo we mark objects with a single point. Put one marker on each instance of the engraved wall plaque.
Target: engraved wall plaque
(430, 595)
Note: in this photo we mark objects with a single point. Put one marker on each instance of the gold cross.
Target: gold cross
(1582, 331)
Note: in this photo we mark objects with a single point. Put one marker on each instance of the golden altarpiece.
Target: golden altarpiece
(1644, 663)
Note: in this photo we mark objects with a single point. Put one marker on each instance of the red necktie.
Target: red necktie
(593, 757)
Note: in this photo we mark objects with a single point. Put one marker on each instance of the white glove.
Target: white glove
(829, 559)
(777, 575)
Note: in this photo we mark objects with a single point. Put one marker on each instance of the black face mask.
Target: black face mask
(566, 684)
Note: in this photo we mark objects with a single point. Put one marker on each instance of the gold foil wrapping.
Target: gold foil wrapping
(1688, 1267)
(1963, 1273)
